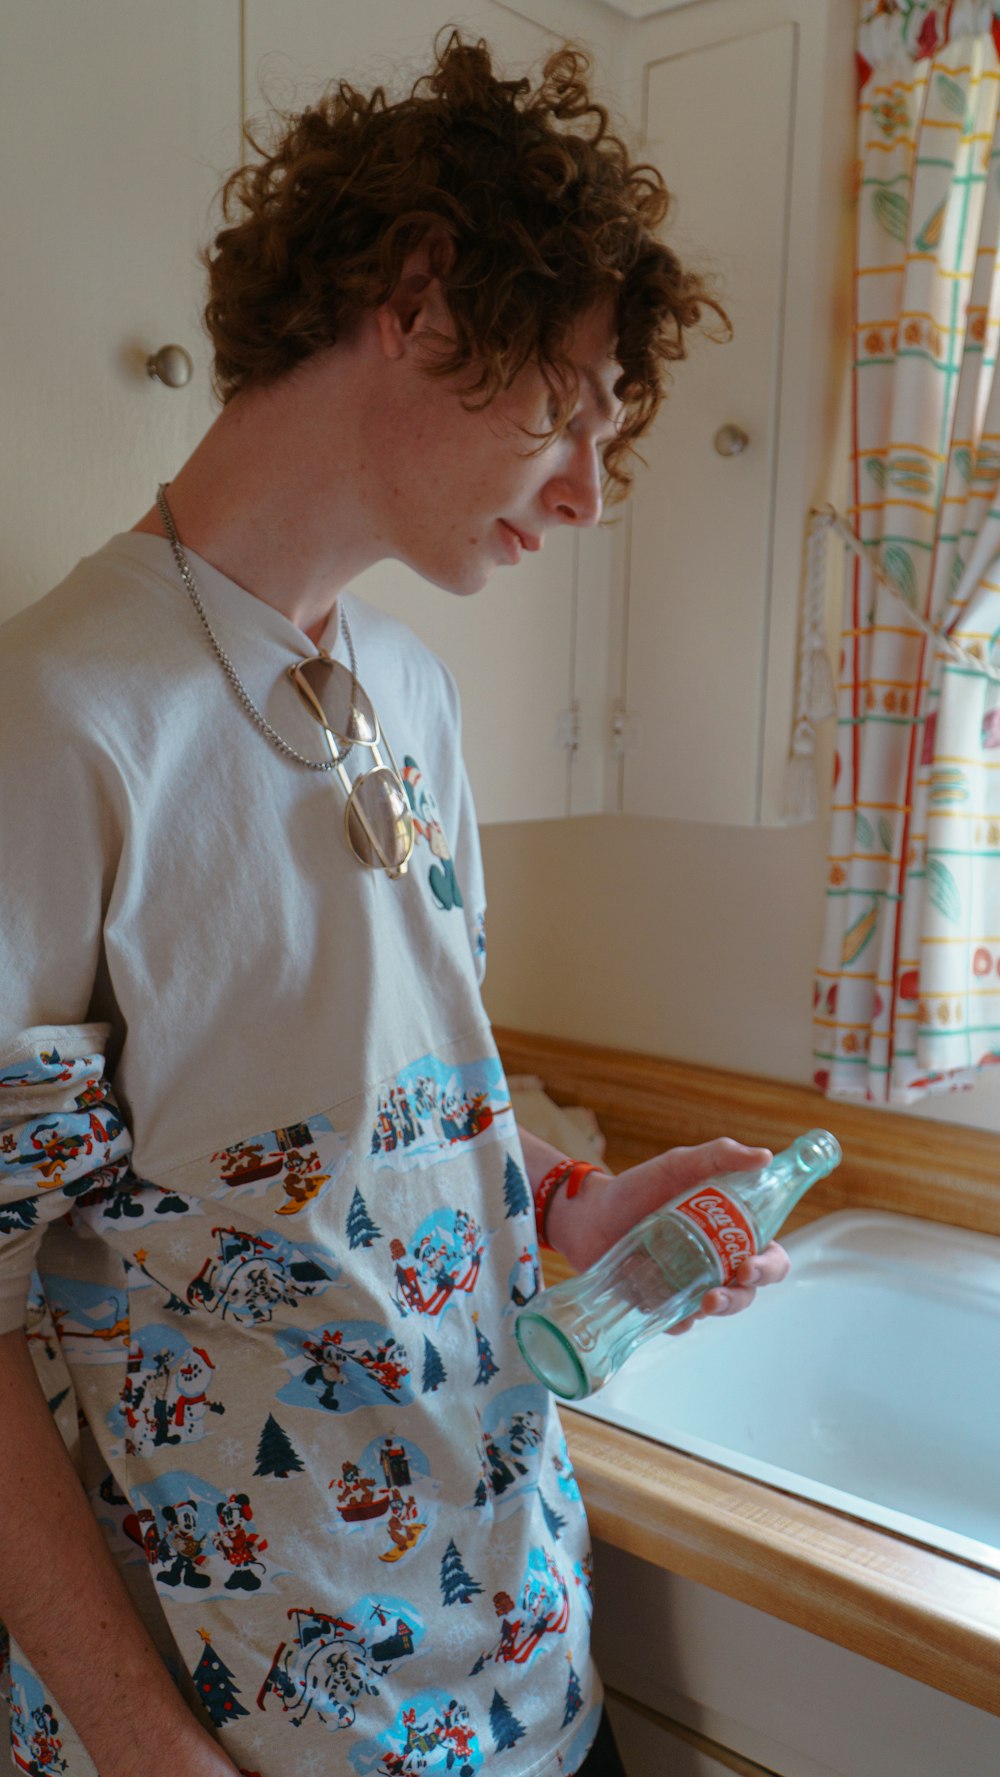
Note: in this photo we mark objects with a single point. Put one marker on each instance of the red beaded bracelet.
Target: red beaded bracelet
(570, 1173)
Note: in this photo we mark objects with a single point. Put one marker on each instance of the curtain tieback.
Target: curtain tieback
(815, 698)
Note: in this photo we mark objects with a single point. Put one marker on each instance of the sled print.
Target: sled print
(541, 1610)
(433, 1110)
(444, 1255)
(345, 1365)
(198, 1539)
(388, 1494)
(432, 1732)
(301, 1162)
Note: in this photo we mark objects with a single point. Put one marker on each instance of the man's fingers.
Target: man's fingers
(682, 1326)
(731, 1300)
(726, 1155)
(770, 1266)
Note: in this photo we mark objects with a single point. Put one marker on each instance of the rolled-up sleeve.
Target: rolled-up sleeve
(60, 1135)
(60, 841)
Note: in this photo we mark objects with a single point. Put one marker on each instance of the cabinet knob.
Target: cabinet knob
(730, 441)
(171, 365)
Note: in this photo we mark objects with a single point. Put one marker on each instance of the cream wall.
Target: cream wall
(692, 942)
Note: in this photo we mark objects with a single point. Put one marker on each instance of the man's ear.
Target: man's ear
(417, 306)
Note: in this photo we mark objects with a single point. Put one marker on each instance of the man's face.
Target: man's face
(470, 492)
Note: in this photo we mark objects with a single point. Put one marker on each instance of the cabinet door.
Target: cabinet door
(531, 644)
(701, 523)
(116, 123)
(649, 1743)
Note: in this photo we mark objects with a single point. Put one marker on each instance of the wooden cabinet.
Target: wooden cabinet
(650, 1743)
(116, 126)
(746, 107)
(729, 1684)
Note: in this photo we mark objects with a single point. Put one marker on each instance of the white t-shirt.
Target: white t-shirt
(257, 1141)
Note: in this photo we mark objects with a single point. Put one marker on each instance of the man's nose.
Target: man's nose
(575, 497)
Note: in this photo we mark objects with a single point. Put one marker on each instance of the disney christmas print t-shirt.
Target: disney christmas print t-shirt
(262, 1193)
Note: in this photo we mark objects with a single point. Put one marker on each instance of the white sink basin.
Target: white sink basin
(869, 1381)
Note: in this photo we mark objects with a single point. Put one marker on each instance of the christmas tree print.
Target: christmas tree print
(275, 1452)
(434, 1370)
(361, 1230)
(574, 1698)
(217, 1687)
(552, 1518)
(484, 1352)
(457, 1586)
(515, 1189)
(504, 1725)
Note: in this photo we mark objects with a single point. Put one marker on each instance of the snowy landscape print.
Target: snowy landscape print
(433, 1110)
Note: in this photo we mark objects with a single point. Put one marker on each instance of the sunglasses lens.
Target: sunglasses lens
(345, 705)
(379, 822)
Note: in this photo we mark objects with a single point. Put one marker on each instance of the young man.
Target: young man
(262, 1191)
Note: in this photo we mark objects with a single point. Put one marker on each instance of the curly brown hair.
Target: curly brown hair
(536, 210)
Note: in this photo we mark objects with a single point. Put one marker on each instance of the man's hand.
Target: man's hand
(606, 1208)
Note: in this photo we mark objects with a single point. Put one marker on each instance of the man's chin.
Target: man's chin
(466, 581)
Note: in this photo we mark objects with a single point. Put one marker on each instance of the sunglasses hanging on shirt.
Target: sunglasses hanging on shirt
(377, 818)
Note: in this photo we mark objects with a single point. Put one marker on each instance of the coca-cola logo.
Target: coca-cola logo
(724, 1223)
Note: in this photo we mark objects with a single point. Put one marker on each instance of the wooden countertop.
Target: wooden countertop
(928, 1615)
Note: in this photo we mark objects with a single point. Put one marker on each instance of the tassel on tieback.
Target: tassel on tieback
(816, 698)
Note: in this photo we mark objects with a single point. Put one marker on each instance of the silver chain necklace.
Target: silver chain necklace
(256, 716)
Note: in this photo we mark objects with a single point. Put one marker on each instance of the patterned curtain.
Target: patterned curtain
(907, 999)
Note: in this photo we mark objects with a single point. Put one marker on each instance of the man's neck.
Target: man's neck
(265, 509)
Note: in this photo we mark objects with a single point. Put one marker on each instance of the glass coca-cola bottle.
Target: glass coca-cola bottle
(577, 1334)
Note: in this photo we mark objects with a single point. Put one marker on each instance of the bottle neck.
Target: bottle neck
(786, 1180)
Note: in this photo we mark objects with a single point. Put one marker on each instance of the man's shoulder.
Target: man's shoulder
(75, 643)
(103, 598)
(402, 655)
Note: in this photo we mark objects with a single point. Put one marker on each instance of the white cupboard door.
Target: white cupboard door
(719, 124)
(513, 646)
(116, 124)
(652, 1746)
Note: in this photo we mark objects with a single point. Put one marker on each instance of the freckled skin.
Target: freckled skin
(361, 456)
(482, 466)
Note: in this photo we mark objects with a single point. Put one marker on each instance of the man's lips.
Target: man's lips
(526, 539)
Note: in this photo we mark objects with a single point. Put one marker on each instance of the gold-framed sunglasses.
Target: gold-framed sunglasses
(377, 819)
